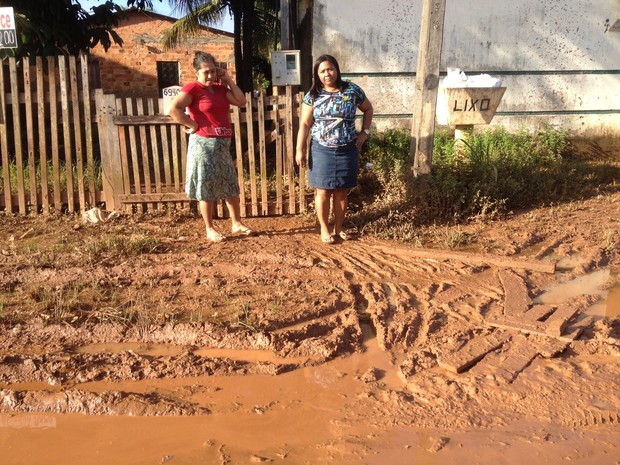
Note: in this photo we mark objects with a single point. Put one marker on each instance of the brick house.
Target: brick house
(141, 68)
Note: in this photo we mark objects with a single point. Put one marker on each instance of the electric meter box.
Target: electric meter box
(285, 68)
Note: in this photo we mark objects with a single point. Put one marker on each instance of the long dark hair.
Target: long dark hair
(317, 85)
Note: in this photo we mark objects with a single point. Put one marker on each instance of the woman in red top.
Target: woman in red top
(210, 173)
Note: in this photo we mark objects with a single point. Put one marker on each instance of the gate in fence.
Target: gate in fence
(143, 155)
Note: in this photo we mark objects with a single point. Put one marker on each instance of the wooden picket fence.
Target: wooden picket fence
(65, 147)
(46, 136)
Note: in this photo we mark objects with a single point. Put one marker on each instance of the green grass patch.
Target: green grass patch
(90, 175)
(493, 173)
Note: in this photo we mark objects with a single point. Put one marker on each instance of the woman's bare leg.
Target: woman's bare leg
(322, 202)
(341, 201)
(207, 208)
(235, 215)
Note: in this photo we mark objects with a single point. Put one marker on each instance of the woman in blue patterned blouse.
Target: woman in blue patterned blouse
(328, 115)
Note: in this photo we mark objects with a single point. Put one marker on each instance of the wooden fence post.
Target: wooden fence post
(32, 169)
(251, 152)
(17, 131)
(111, 162)
(4, 147)
(54, 142)
(236, 121)
(90, 159)
(262, 152)
(45, 201)
(66, 124)
(302, 170)
(427, 84)
(77, 133)
(290, 150)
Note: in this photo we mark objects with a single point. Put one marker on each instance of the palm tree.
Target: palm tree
(254, 25)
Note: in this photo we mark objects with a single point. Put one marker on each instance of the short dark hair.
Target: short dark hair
(202, 57)
(317, 85)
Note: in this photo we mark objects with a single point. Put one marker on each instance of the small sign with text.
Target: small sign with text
(8, 34)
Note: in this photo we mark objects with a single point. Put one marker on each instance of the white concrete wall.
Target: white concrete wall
(558, 59)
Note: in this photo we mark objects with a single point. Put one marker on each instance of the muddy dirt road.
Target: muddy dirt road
(280, 349)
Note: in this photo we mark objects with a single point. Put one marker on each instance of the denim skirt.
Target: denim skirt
(333, 167)
(210, 173)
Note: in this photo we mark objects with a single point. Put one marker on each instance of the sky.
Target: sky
(159, 7)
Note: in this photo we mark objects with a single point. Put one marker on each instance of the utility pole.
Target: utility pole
(285, 24)
(427, 86)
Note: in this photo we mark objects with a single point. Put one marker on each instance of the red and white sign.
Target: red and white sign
(8, 34)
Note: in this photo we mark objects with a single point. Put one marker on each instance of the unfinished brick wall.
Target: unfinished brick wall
(131, 70)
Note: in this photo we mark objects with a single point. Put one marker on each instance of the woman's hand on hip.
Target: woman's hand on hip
(191, 130)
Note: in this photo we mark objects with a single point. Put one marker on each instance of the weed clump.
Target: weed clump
(493, 173)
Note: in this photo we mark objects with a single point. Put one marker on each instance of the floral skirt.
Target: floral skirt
(210, 172)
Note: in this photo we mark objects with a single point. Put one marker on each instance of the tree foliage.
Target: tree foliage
(254, 28)
(53, 27)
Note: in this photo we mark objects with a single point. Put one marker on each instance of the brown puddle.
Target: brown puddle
(456, 395)
(248, 355)
(595, 283)
(253, 418)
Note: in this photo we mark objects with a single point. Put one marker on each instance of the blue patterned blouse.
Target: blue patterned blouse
(334, 115)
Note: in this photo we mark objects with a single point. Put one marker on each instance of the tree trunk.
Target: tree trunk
(248, 46)
(237, 12)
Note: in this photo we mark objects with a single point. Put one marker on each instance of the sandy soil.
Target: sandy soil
(281, 349)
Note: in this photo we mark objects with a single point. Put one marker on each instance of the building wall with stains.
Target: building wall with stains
(132, 70)
(558, 59)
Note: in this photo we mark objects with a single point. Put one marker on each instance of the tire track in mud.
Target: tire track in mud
(404, 298)
(417, 308)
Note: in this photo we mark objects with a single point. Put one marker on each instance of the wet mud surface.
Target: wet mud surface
(281, 349)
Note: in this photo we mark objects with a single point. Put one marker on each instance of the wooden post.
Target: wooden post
(77, 133)
(290, 150)
(302, 170)
(90, 158)
(110, 150)
(236, 121)
(251, 152)
(427, 84)
(4, 147)
(262, 154)
(17, 131)
(32, 169)
(285, 25)
(45, 201)
(51, 66)
(150, 108)
(462, 134)
(66, 125)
